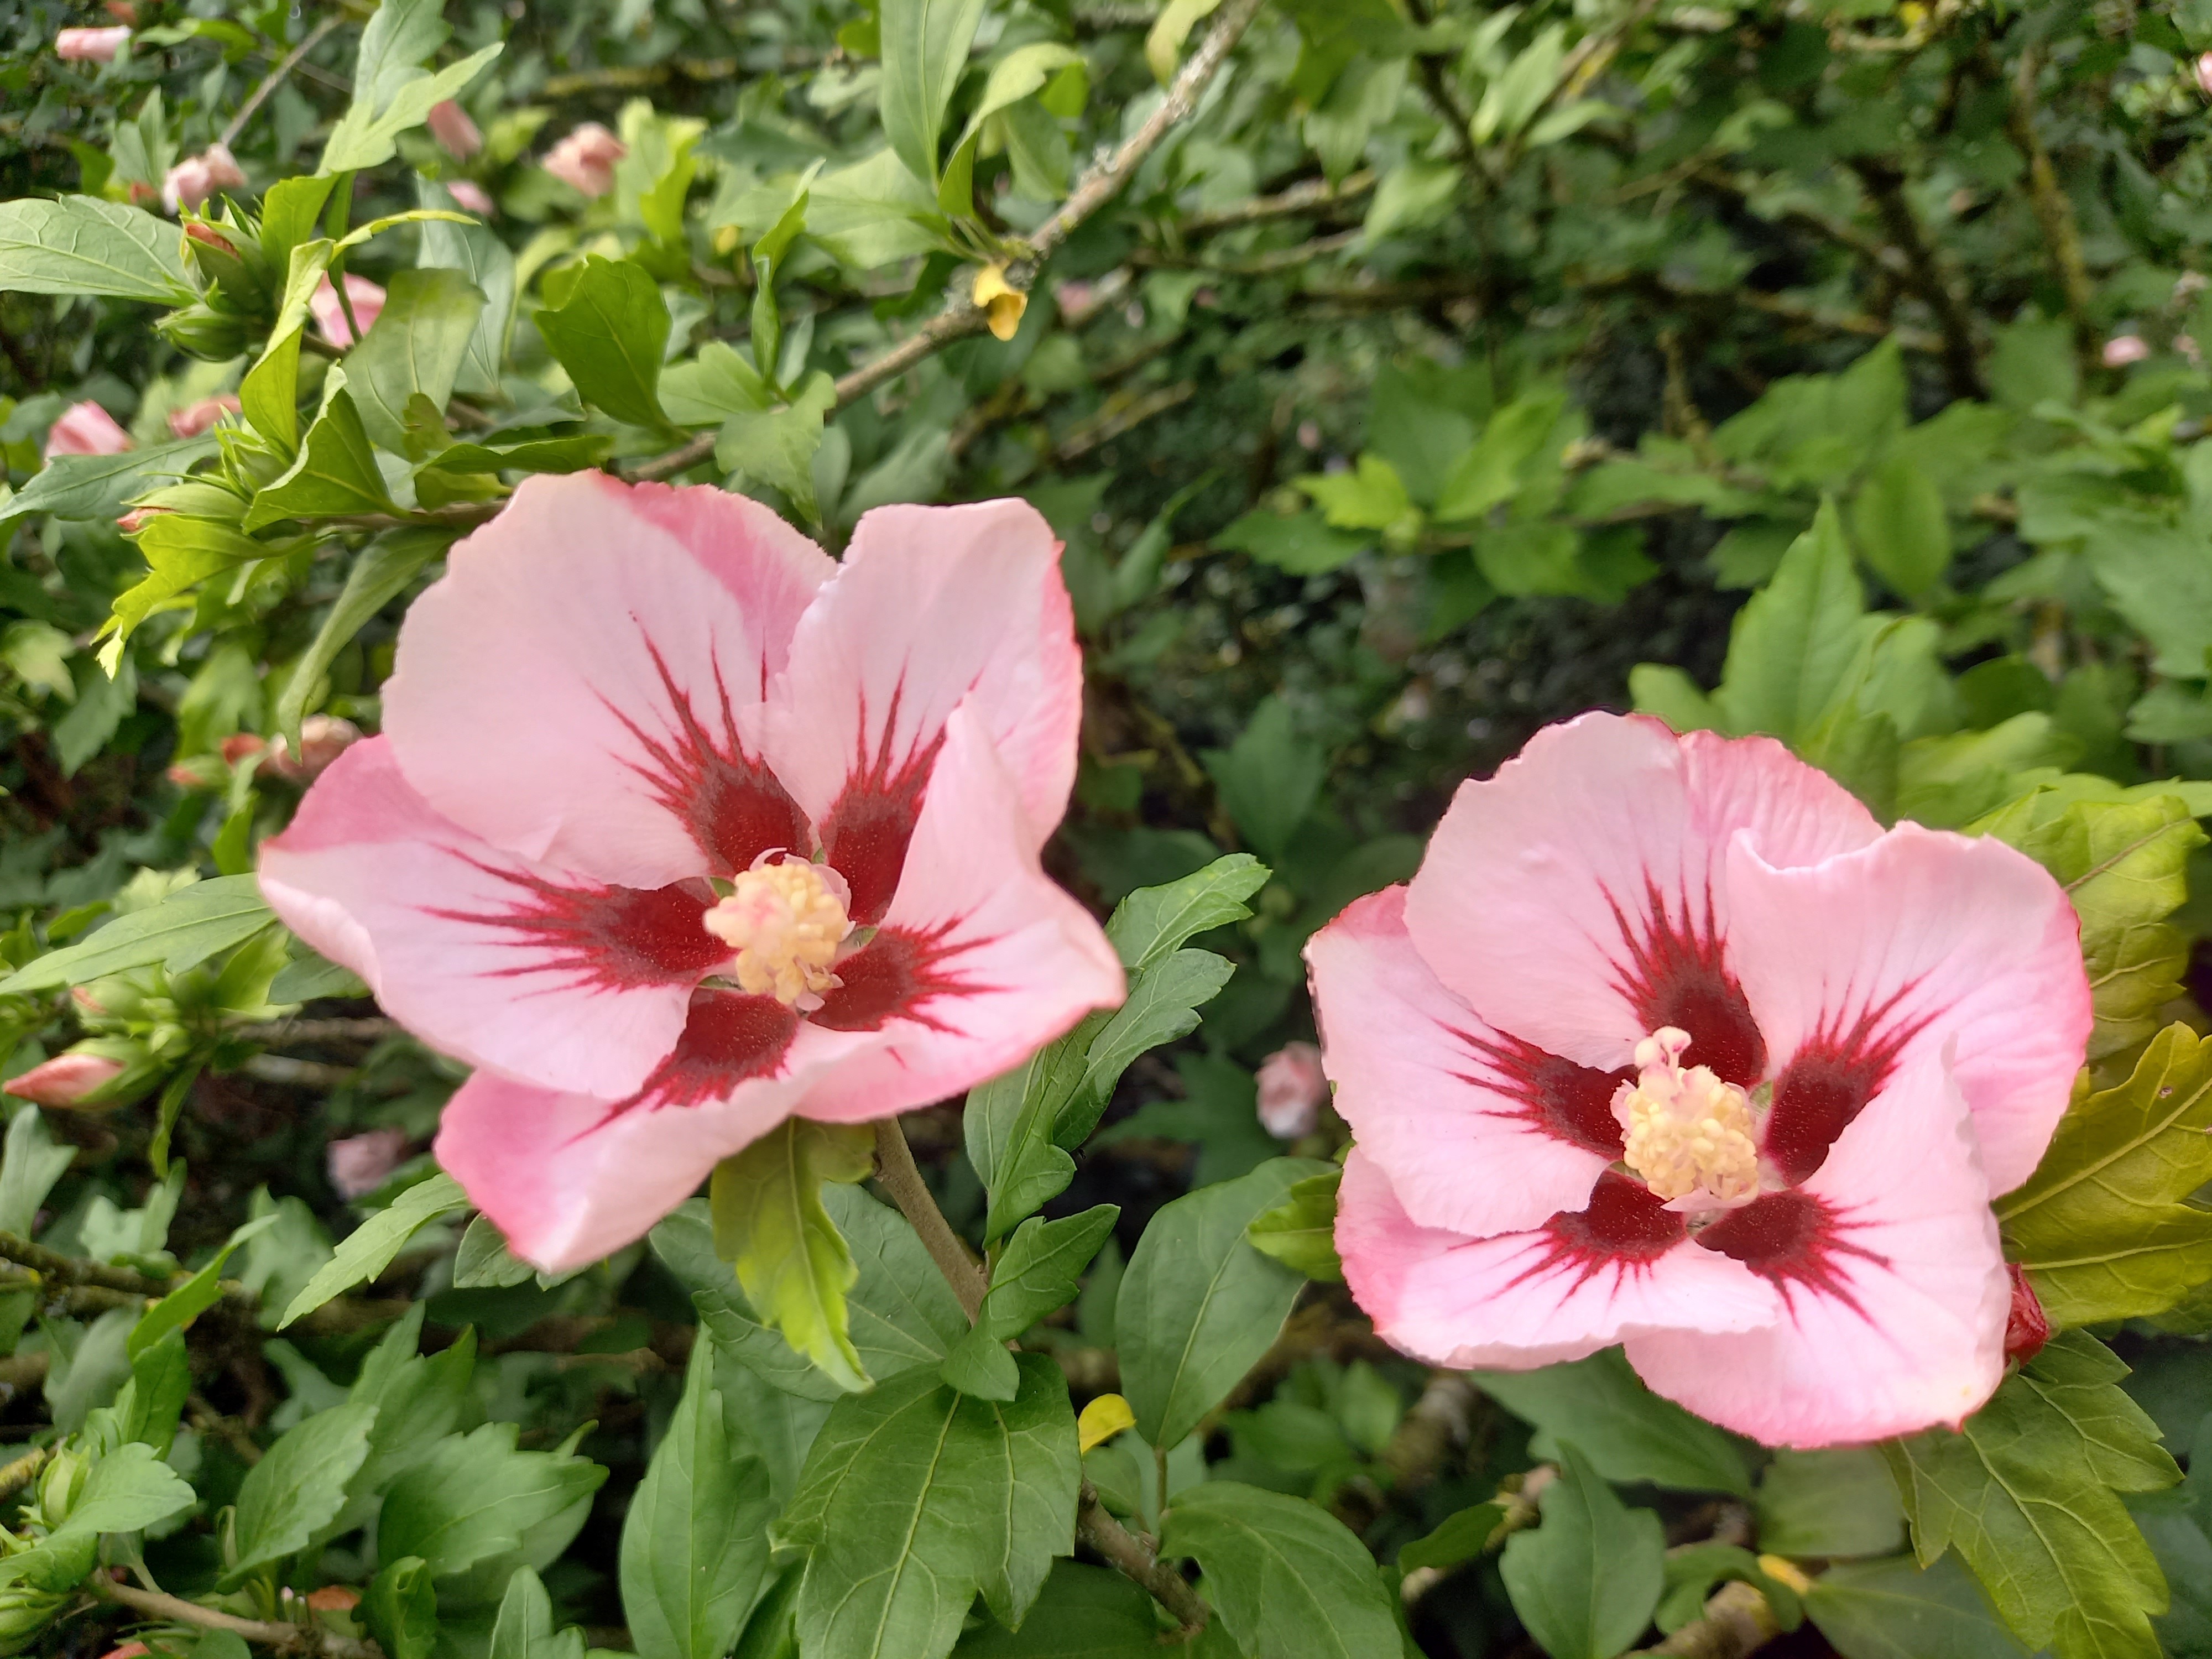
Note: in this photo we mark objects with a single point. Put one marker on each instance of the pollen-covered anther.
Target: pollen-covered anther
(784, 920)
(1689, 1135)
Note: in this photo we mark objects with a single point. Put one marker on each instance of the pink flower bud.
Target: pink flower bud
(323, 739)
(2125, 348)
(239, 745)
(472, 196)
(121, 10)
(1292, 1087)
(586, 159)
(2204, 75)
(450, 125)
(196, 178)
(2026, 1327)
(86, 1003)
(86, 428)
(65, 1079)
(128, 1650)
(200, 231)
(200, 418)
(360, 1163)
(90, 46)
(330, 317)
(334, 1598)
(135, 520)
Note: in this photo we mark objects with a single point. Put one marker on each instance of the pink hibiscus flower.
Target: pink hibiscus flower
(196, 178)
(368, 300)
(586, 159)
(196, 420)
(86, 428)
(1669, 1044)
(618, 729)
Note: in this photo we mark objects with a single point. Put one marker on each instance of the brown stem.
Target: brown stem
(1133, 1557)
(74, 1270)
(1886, 185)
(901, 1178)
(2054, 209)
(962, 316)
(15, 1476)
(276, 78)
(285, 1637)
(1310, 196)
(1737, 1621)
(373, 1030)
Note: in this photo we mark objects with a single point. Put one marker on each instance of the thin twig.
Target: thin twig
(962, 316)
(901, 1178)
(1886, 185)
(15, 1476)
(75, 1270)
(285, 1637)
(1134, 1558)
(371, 1030)
(1310, 196)
(2054, 209)
(275, 78)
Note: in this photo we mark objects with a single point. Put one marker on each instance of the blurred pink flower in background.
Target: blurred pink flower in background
(450, 125)
(2204, 74)
(472, 196)
(360, 1163)
(90, 46)
(193, 179)
(195, 419)
(586, 159)
(330, 316)
(2125, 348)
(1292, 1088)
(86, 428)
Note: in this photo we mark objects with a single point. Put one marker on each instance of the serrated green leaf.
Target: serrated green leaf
(1585, 1582)
(1199, 1305)
(925, 47)
(417, 345)
(1899, 520)
(1154, 920)
(98, 486)
(776, 447)
(334, 473)
(915, 1496)
(524, 1629)
(1300, 1232)
(181, 932)
(1892, 1609)
(1022, 71)
(1836, 1503)
(1084, 1613)
(1462, 1537)
(2101, 1226)
(32, 1162)
(189, 1300)
(370, 1248)
(610, 334)
(364, 135)
(1793, 642)
(180, 552)
(477, 1496)
(1039, 1271)
(298, 1486)
(82, 245)
(790, 1260)
(1626, 1431)
(1284, 1577)
(2028, 1493)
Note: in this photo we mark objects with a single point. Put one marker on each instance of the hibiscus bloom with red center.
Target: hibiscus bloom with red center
(678, 828)
(1669, 1043)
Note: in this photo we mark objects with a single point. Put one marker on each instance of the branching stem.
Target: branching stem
(285, 1637)
(1134, 1558)
(901, 1178)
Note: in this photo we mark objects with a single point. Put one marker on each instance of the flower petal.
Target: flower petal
(1924, 940)
(931, 605)
(1576, 899)
(1478, 1132)
(1893, 1286)
(584, 685)
(1581, 1282)
(570, 1177)
(493, 958)
(980, 960)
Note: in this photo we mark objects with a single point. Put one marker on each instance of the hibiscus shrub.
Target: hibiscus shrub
(1047, 828)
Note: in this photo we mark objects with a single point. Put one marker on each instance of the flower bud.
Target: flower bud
(196, 178)
(2204, 75)
(586, 159)
(2125, 348)
(90, 1076)
(116, 997)
(334, 1598)
(195, 419)
(25, 1610)
(235, 268)
(2027, 1327)
(1292, 1088)
(86, 428)
(90, 46)
(240, 745)
(206, 333)
(323, 739)
(361, 1163)
(472, 196)
(367, 301)
(450, 125)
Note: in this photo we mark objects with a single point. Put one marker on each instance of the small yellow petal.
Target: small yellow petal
(1785, 1572)
(1001, 299)
(1102, 1419)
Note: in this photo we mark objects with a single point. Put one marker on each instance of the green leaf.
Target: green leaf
(1492, 472)
(524, 1629)
(695, 1553)
(1693, 1571)
(291, 212)
(420, 1399)
(269, 396)
(1199, 1305)
(1302, 544)
(1038, 1272)
(1462, 1536)
(174, 1311)
(334, 472)
(2102, 1227)
(1284, 1577)
(1085, 1613)
(1153, 922)
(2028, 1493)
(1891, 1609)
(1301, 1231)
(573, 454)
(126, 1490)
(710, 388)
(1794, 639)
(417, 345)
(481, 257)
(152, 1403)
(2124, 866)
(181, 551)
(1839, 1502)
(476, 1497)
(1371, 498)
(370, 1248)
(925, 48)
(82, 245)
(1901, 528)
(298, 1486)
(99, 486)
(915, 1496)
(776, 448)
(181, 932)
(790, 1258)
(1586, 1580)
(399, 1609)
(1022, 71)
(1269, 777)
(381, 572)
(364, 135)
(31, 1161)
(610, 335)
(1628, 1432)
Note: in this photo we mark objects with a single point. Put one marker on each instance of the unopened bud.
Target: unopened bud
(2027, 1327)
(323, 739)
(195, 420)
(240, 745)
(334, 1598)
(2125, 348)
(206, 333)
(2204, 75)
(1292, 1088)
(450, 125)
(472, 196)
(64, 1080)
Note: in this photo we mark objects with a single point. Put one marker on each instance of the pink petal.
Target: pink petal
(499, 960)
(368, 301)
(1925, 941)
(1575, 899)
(1579, 1283)
(931, 605)
(86, 428)
(570, 1177)
(1478, 1133)
(981, 959)
(585, 683)
(1894, 1289)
